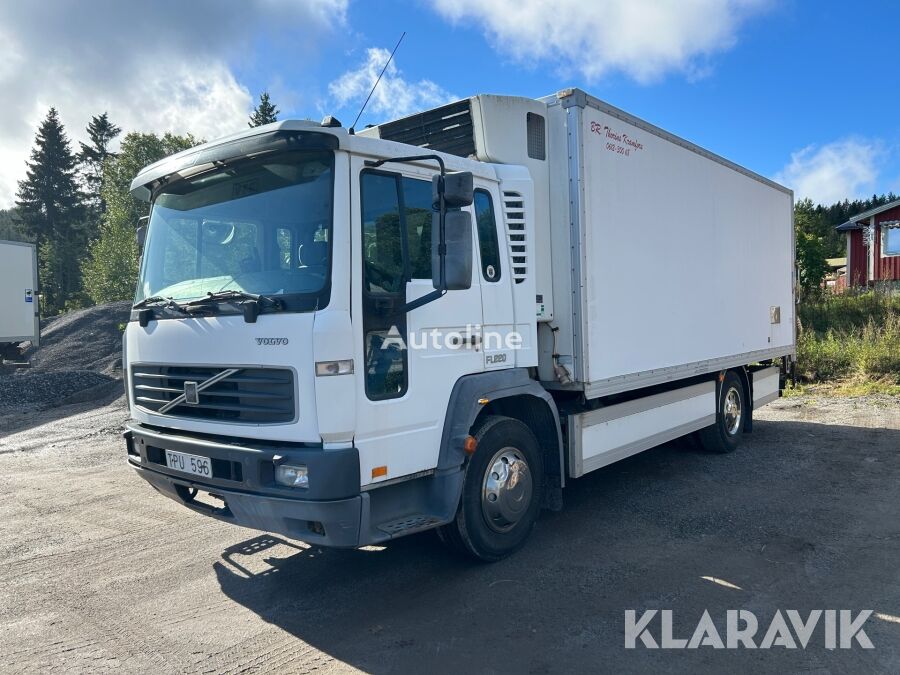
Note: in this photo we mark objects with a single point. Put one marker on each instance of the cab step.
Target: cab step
(409, 524)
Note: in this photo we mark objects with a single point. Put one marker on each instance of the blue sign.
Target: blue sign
(29, 297)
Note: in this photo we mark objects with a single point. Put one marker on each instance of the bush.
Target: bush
(847, 336)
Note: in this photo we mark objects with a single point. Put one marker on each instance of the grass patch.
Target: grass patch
(847, 312)
(851, 341)
(852, 387)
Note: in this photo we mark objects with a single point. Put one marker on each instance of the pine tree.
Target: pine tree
(264, 113)
(10, 227)
(49, 206)
(91, 157)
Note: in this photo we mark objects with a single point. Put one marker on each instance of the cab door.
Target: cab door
(407, 363)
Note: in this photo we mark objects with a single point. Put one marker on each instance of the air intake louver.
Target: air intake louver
(445, 129)
(514, 215)
(249, 395)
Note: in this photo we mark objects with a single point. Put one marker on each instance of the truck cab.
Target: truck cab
(277, 378)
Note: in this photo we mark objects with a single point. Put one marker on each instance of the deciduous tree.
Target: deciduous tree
(811, 246)
(110, 272)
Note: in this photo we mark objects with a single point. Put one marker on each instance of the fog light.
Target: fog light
(290, 475)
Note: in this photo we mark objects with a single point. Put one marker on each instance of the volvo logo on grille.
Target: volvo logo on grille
(191, 393)
(271, 342)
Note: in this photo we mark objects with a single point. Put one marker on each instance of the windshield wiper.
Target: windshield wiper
(250, 303)
(220, 296)
(152, 300)
(146, 306)
(158, 301)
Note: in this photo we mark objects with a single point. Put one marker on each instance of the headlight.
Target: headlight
(292, 475)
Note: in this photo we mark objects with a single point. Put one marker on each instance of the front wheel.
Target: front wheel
(501, 494)
(725, 435)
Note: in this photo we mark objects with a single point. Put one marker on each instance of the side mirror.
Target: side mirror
(457, 258)
(141, 237)
(458, 189)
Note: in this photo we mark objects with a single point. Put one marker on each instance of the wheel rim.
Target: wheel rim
(507, 490)
(732, 411)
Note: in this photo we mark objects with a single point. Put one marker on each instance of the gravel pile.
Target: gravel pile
(80, 355)
(87, 339)
(41, 390)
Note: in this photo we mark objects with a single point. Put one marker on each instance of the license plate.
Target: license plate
(195, 464)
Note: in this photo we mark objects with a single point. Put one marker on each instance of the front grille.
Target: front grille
(250, 395)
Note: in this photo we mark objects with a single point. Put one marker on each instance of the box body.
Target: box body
(18, 293)
(668, 261)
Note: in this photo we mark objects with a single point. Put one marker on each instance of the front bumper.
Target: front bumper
(330, 512)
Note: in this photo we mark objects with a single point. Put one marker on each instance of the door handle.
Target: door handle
(473, 340)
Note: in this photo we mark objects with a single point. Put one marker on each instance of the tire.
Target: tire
(501, 493)
(725, 435)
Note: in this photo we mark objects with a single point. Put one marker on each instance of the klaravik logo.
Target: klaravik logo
(271, 342)
(831, 628)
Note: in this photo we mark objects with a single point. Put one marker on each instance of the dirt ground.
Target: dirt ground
(99, 573)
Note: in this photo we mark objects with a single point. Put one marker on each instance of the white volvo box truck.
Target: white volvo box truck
(19, 320)
(438, 322)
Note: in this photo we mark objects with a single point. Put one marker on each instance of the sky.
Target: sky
(802, 91)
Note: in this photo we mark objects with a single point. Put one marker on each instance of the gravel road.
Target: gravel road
(99, 573)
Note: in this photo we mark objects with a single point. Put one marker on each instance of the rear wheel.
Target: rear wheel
(725, 435)
(501, 492)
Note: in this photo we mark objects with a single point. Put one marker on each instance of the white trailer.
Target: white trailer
(18, 296)
(434, 323)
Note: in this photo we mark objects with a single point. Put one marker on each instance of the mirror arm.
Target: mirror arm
(442, 238)
(424, 300)
(141, 233)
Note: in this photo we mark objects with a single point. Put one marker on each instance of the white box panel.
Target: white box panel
(18, 292)
(682, 262)
(604, 436)
(765, 386)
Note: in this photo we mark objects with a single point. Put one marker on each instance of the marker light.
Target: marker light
(292, 475)
(326, 368)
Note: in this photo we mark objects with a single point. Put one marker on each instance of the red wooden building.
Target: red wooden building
(873, 245)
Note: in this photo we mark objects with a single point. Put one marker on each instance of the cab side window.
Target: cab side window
(384, 285)
(489, 247)
(417, 219)
(396, 229)
(382, 241)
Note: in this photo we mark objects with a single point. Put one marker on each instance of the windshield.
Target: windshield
(260, 226)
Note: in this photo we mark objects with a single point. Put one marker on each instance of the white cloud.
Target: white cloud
(394, 97)
(644, 39)
(843, 169)
(167, 69)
